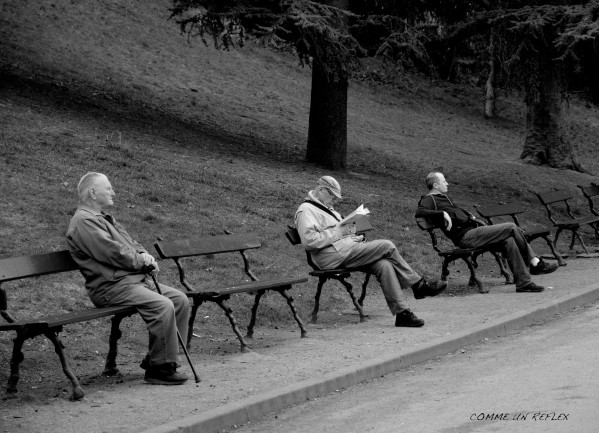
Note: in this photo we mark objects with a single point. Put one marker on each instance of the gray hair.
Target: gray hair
(431, 178)
(87, 182)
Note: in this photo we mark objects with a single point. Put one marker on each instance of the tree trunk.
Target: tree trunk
(490, 86)
(327, 130)
(547, 141)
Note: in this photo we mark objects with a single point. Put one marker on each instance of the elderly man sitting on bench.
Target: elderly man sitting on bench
(115, 267)
(466, 231)
(332, 246)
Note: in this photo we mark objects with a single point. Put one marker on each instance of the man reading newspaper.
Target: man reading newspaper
(336, 243)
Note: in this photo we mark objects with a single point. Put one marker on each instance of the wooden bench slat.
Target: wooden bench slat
(15, 268)
(65, 319)
(578, 221)
(501, 210)
(555, 196)
(251, 286)
(207, 245)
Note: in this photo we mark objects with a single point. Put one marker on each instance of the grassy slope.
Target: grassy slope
(197, 140)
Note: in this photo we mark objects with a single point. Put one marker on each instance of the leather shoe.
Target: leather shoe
(543, 268)
(408, 319)
(530, 287)
(165, 374)
(424, 288)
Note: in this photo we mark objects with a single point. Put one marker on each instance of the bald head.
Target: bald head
(436, 183)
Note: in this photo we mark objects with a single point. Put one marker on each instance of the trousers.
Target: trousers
(381, 258)
(163, 314)
(515, 248)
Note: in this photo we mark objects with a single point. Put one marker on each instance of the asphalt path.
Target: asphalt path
(544, 378)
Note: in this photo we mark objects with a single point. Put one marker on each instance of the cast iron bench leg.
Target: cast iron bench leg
(474, 280)
(314, 316)
(557, 233)
(364, 285)
(502, 269)
(250, 333)
(576, 235)
(192, 317)
(287, 296)
(110, 368)
(222, 304)
(15, 360)
(560, 260)
(349, 288)
(445, 268)
(58, 348)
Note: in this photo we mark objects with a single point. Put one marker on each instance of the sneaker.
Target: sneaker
(530, 287)
(408, 319)
(165, 374)
(543, 268)
(423, 288)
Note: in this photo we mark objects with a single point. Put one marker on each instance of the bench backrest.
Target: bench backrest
(553, 197)
(208, 245)
(294, 238)
(428, 226)
(590, 192)
(499, 210)
(16, 268)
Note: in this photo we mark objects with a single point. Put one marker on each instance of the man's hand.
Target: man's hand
(448, 222)
(348, 229)
(150, 262)
(357, 238)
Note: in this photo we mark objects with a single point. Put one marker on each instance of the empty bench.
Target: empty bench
(553, 201)
(20, 268)
(220, 244)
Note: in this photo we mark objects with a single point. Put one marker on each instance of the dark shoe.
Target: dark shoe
(543, 268)
(165, 374)
(423, 288)
(530, 287)
(145, 363)
(409, 319)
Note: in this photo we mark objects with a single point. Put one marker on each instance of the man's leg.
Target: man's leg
(366, 253)
(157, 311)
(517, 251)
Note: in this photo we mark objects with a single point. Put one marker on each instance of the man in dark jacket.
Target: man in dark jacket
(466, 231)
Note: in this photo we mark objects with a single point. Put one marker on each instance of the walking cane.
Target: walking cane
(181, 342)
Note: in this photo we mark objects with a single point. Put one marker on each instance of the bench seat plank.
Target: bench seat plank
(249, 286)
(57, 320)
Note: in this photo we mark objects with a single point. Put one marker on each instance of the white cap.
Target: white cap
(331, 184)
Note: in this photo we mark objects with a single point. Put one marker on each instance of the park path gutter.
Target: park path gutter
(254, 408)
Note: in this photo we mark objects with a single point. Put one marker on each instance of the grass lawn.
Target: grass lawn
(198, 141)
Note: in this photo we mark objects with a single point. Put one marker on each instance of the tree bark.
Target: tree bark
(547, 141)
(490, 85)
(327, 130)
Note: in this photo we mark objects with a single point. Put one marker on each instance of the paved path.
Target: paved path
(542, 379)
(284, 369)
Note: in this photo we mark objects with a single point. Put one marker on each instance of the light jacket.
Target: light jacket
(320, 234)
(104, 251)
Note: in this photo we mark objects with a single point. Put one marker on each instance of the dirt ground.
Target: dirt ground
(278, 358)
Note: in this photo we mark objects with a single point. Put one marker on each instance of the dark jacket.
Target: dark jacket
(431, 207)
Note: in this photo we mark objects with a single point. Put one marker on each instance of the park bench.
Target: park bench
(513, 210)
(556, 200)
(20, 268)
(324, 275)
(220, 244)
(590, 192)
(468, 255)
